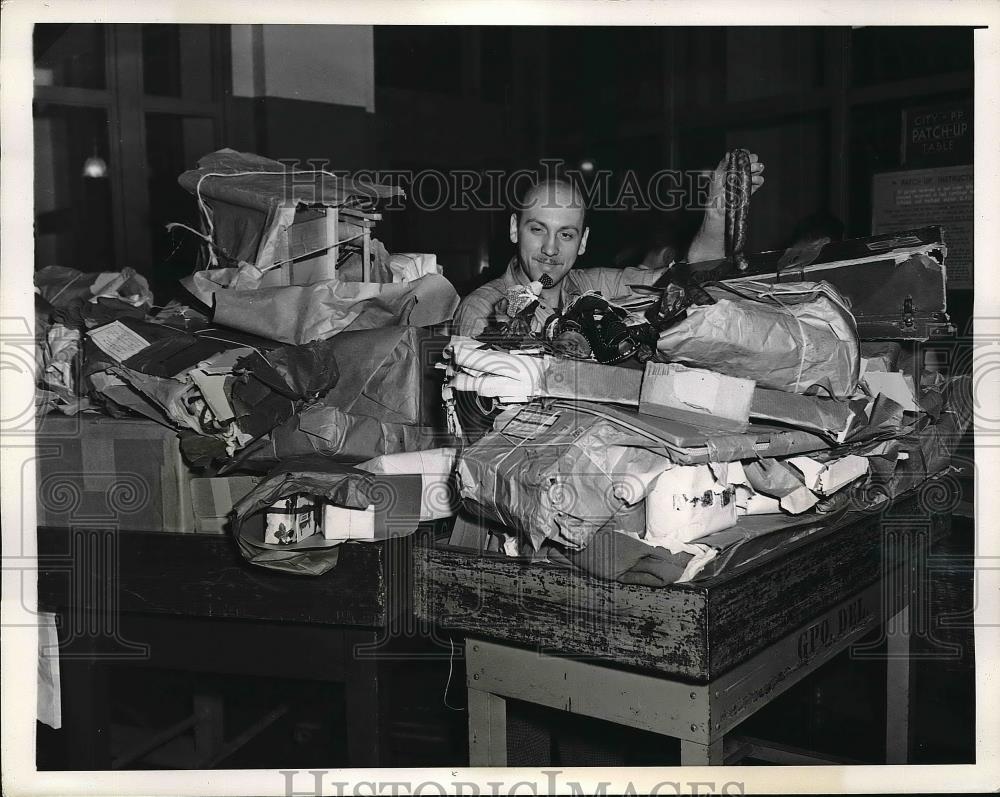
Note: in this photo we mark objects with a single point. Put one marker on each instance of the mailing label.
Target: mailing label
(530, 422)
(118, 341)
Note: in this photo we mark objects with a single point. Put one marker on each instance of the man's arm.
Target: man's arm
(710, 242)
(475, 311)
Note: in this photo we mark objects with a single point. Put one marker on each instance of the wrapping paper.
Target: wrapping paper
(798, 337)
(436, 468)
(322, 432)
(61, 286)
(517, 377)
(687, 502)
(303, 313)
(387, 374)
(555, 473)
(408, 266)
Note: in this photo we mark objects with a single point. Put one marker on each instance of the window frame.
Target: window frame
(126, 106)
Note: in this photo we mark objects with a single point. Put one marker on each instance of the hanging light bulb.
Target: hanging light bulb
(95, 165)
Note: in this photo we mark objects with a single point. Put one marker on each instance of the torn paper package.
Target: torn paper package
(897, 386)
(61, 286)
(880, 355)
(797, 337)
(687, 502)
(555, 473)
(515, 376)
(408, 266)
(321, 432)
(780, 481)
(832, 418)
(696, 395)
(55, 369)
(825, 478)
(436, 467)
(492, 373)
(303, 313)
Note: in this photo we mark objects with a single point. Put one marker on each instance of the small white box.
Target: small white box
(341, 523)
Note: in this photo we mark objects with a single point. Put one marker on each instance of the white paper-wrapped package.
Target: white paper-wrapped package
(436, 466)
(789, 336)
(687, 502)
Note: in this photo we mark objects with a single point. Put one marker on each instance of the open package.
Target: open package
(292, 254)
(296, 519)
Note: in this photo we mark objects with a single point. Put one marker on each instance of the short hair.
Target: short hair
(551, 184)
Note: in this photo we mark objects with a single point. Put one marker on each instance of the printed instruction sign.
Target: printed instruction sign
(920, 197)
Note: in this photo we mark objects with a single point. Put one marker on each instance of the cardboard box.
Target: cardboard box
(291, 520)
(592, 381)
(93, 470)
(212, 500)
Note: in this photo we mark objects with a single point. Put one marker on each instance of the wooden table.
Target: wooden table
(690, 661)
(190, 602)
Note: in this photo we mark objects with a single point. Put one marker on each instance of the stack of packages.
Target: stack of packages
(289, 367)
(758, 412)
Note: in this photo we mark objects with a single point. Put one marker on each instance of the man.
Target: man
(550, 232)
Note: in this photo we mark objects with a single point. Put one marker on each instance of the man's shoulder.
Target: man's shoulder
(611, 281)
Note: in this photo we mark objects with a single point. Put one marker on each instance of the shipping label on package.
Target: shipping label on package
(118, 341)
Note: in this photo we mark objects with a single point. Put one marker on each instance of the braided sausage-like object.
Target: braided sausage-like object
(737, 186)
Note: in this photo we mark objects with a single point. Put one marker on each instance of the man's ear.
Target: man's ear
(583, 241)
(513, 228)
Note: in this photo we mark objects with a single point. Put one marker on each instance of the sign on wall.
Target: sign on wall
(939, 135)
(921, 197)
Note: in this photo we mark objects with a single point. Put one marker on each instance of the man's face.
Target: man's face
(549, 232)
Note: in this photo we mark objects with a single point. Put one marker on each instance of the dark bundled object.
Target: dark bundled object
(611, 332)
(738, 187)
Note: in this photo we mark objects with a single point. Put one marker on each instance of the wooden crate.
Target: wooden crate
(693, 631)
(310, 248)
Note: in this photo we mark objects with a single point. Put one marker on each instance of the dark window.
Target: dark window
(69, 55)
(883, 54)
(421, 58)
(496, 63)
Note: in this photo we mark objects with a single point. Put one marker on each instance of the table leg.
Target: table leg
(899, 676)
(209, 730)
(487, 729)
(85, 699)
(695, 754)
(364, 701)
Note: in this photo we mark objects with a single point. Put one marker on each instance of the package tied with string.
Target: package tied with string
(292, 254)
(798, 337)
(261, 212)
